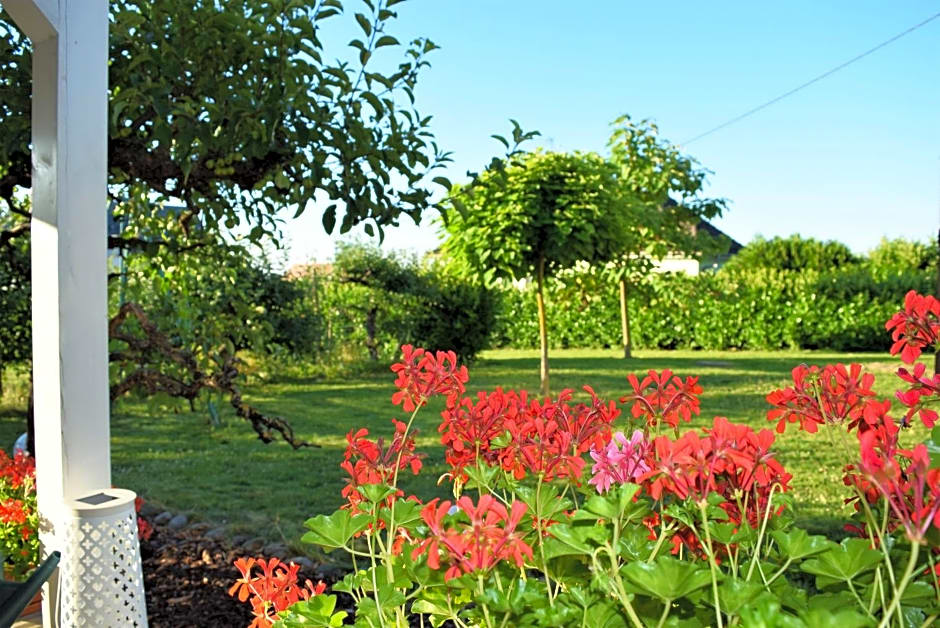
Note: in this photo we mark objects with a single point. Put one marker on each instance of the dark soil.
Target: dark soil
(187, 577)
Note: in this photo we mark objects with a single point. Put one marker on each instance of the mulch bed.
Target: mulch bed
(187, 577)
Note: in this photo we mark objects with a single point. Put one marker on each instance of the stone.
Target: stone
(238, 539)
(278, 550)
(253, 545)
(199, 527)
(305, 563)
(178, 522)
(331, 573)
(149, 511)
(217, 534)
(163, 518)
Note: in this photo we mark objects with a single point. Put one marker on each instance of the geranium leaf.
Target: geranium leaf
(333, 531)
(317, 611)
(843, 562)
(797, 544)
(667, 578)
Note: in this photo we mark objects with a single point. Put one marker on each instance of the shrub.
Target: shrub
(454, 315)
(285, 305)
(900, 256)
(371, 302)
(793, 253)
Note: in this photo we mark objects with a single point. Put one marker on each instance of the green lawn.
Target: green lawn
(225, 475)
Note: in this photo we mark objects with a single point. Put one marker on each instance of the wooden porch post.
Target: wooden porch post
(69, 272)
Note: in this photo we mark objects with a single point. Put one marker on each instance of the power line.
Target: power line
(816, 79)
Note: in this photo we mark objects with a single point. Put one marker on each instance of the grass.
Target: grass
(223, 474)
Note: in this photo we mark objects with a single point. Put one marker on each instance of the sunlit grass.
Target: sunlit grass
(176, 459)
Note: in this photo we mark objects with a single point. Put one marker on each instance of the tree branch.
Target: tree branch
(7, 235)
(154, 344)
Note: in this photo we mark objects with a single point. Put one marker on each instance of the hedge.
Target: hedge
(729, 309)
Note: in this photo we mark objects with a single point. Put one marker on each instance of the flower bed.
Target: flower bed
(659, 528)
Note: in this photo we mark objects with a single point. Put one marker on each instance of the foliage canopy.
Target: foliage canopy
(544, 209)
(234, 110)
(793, 253)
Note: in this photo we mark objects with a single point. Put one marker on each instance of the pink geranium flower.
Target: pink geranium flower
(621, 461)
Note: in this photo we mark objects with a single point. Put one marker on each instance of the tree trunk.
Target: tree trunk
(543, 329)
(371, 343)
(936, 357)
(625, 319)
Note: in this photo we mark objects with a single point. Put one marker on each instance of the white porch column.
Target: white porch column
(69, 270)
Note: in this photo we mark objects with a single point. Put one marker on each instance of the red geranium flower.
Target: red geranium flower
(371, 462)
(271, 591)
(422, 374)
(832, 394)
(668, 399)
(916, 327)
(923, 391)
(904, 478)
(488, 538)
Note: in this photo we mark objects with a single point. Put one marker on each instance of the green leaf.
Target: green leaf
(682, 515)
(766, 613)
(544, 501)
(603, 506)
(735, 594)
(845, 618)
(376, 493)
(317, 611)
(350, 582)
(635, 543)
(407, 513)
(364, 23)
(667, 578)
(722, 532)
(426, 607)
(329, 218)
(334, 531)
(580, 538)
(386, 40)
(374, 101)
(843, 562)
(797, 543)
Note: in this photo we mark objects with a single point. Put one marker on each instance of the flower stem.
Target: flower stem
(760, 534)
(934, 576)
(712, 563)
(879, 532)
(780, 572)
(662, 618)
(486, 609)
(390, 572)
(899, 591)
(538, 530)
(659, 541)
(375, 584)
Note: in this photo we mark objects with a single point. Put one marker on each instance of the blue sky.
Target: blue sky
(854, 157)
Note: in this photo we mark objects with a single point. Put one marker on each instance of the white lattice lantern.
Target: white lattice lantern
(102, 583)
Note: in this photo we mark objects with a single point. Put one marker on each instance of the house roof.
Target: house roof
(715, 232)
(711, 230)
